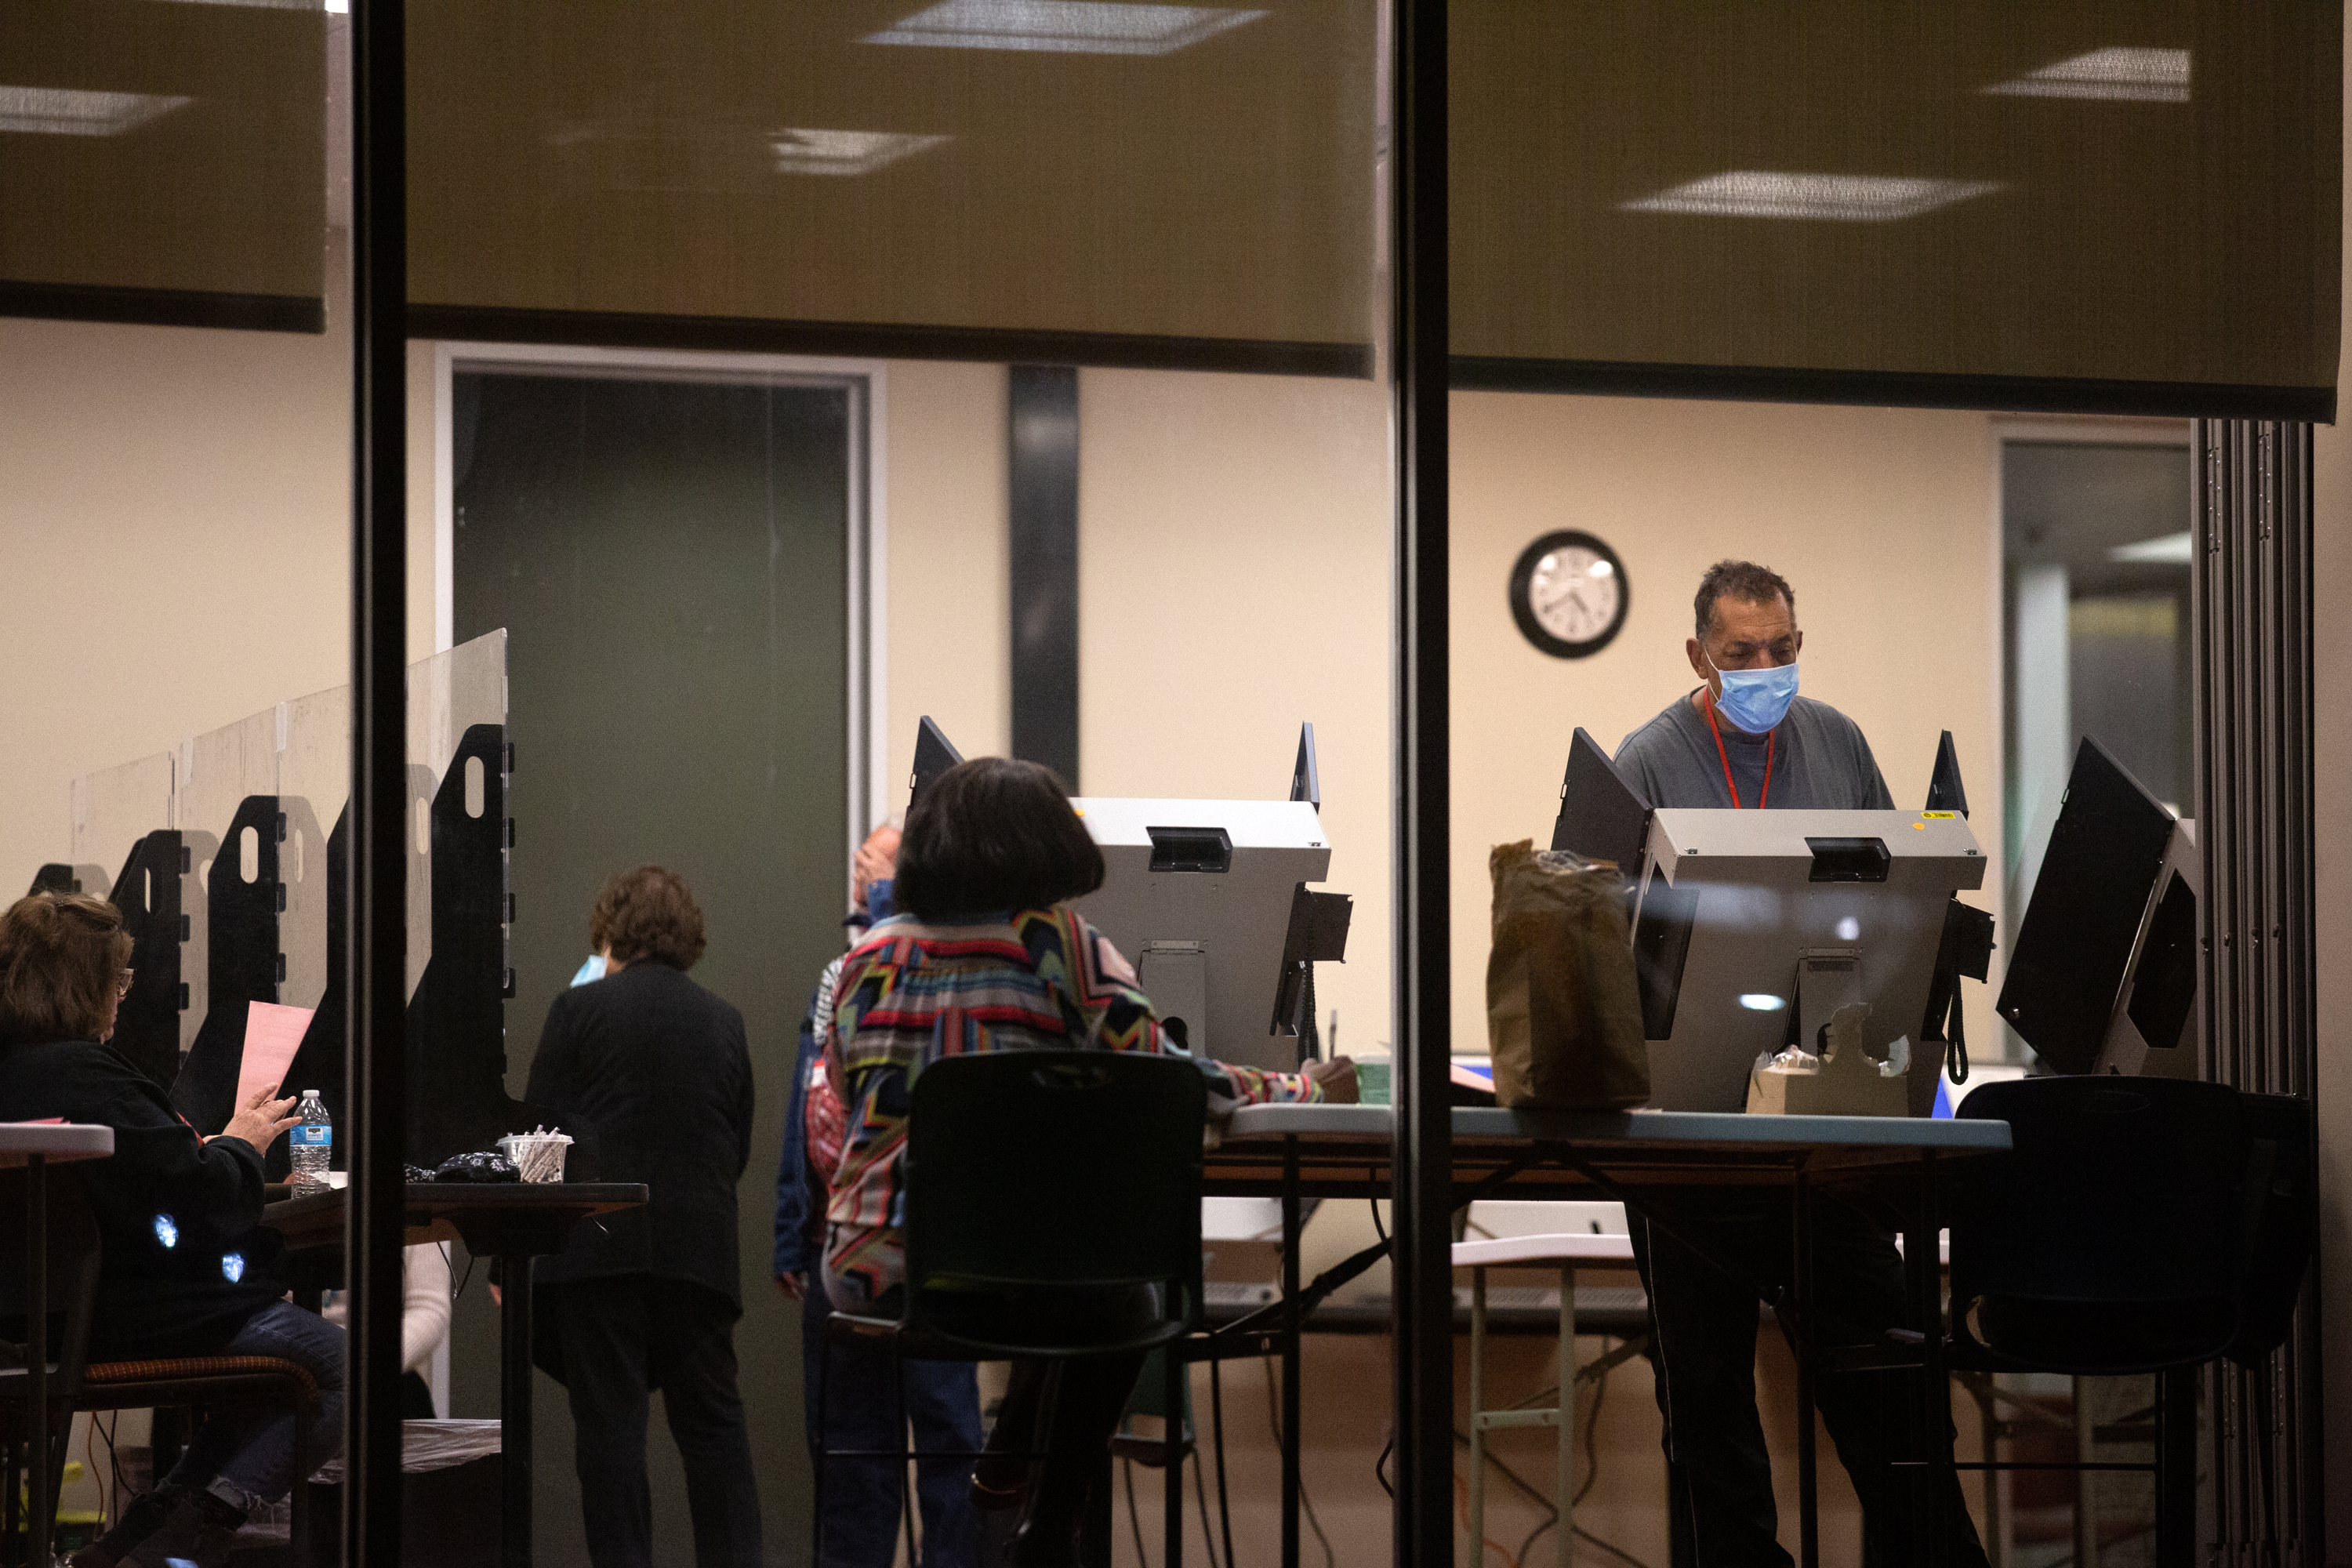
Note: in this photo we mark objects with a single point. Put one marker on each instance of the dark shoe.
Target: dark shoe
(1048, 1536)
(146, 1514)
(200, 1529)
(1038, 1545)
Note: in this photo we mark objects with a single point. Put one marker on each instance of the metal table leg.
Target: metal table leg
(1172, 1401)
(1477, 1415)
(1800, 1229)
(1935, 1373)
(36, 1355)
(1565, 1546)
(514, 1410)
(1290, 1400)
(2176, 1467)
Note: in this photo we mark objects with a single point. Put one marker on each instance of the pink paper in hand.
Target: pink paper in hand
(272, 1035)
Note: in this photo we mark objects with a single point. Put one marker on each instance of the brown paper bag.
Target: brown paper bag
(1563, 1014)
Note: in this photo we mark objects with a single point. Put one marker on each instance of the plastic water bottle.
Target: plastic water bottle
(313, 1140)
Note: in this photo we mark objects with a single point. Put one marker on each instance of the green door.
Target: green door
(670, 562)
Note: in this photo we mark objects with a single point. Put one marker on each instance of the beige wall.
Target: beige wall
(949, 603)
(1234, 581)
(1884, 521)
(174, 547)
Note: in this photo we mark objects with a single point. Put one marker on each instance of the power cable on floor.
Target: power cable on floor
(1306, 1504)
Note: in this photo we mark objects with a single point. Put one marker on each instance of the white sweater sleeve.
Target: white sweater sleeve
(424, 1305)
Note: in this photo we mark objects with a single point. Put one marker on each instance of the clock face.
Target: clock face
(1569, 594)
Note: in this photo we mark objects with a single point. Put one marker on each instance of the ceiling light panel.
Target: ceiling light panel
(1064, 27)
(2164, 550)
(1840, 198)
(800, 151)
(70, 112)
(2139, 75)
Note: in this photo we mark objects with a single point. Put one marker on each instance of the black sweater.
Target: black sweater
(660, 1068)
(187, 1258)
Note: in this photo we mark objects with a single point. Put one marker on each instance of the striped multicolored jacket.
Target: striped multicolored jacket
(910, 994)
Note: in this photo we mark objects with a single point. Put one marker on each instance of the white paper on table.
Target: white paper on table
(272, 1035)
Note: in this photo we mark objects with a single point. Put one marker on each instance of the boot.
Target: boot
(145, 1515)
(1048, 1536)
(201, 1529)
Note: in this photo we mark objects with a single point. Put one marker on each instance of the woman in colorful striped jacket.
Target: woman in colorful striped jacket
(987, 956)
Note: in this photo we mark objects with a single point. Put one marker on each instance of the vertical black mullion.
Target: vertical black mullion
(1041, 481)
(375, 979)
(1421, 1259)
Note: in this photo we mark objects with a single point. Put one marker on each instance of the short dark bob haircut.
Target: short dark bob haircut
(990, 835)
(62, 958)
(647, 913)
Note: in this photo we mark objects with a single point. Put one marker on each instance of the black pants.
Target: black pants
(623, 1338)
(1703, 1346)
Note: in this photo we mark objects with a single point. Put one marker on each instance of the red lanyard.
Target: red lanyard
(1725, 758)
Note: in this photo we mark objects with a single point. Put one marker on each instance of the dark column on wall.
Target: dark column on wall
(1042, 470)
(2259, 950)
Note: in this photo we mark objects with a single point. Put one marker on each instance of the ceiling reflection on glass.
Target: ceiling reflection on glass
(1184, 172)
(1063, 27)
(155, 145)
(2125, 190)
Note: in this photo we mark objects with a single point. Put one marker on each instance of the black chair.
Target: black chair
(2113, 1240)
(77, 1385)
(1053, 1211)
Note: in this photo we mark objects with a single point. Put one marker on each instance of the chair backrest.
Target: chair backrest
(2111, 1239)
(1052, 1200)
(2282, 1210)
(73, 1254)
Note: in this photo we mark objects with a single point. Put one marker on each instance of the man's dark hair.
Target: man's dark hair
(1743, 580)
(991, 834)
(61, 966)
(647, 913)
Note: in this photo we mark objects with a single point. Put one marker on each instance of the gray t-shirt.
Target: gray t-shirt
(1820, 762)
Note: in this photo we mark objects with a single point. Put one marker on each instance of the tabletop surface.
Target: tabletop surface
(54, 1141)
(1566, 1247)
(446, 1195)
(435, 1211)
(1632, 1127)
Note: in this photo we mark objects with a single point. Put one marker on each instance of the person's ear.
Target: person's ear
(1801, 647)
(1696, 654)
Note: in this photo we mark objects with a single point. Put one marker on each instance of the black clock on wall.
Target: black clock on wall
(1569, 594)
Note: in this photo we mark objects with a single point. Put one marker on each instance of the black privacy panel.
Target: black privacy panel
(2068, 967)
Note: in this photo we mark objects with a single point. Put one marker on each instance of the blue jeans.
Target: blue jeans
(253, 1450)
(862, 1501)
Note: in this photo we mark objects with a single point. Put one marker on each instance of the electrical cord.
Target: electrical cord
(1201, 1494)
(1306, 1504)
(1217, 1422)
(1550, 1508)
(458, 1294)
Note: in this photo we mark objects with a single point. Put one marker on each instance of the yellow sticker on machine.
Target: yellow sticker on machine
(1932, 815)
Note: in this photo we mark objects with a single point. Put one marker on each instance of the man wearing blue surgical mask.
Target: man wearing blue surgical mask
(1744, 738)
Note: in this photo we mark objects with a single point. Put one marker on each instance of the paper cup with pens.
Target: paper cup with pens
(538, 1154)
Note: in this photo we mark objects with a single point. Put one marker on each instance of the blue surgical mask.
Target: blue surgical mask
(1757, 700)
(877, 899)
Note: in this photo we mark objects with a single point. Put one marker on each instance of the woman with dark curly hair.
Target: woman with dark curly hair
(649, 1298)
(186, 1267)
